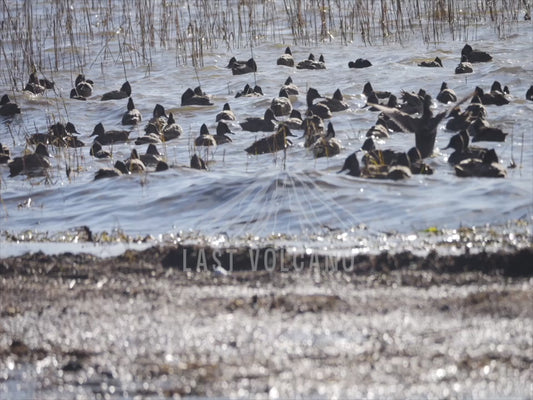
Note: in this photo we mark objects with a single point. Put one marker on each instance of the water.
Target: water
(286, 195)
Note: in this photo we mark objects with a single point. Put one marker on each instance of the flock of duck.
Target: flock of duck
(412, 114)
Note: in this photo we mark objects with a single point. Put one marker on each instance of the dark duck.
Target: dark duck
(286, 58)
(475, 56)
(195, 97)
(122, 93)
(424, 127)
(273, 143)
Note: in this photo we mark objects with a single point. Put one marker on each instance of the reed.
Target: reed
(60, 35)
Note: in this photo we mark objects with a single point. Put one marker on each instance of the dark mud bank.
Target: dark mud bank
(203, 259)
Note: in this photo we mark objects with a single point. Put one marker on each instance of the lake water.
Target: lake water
(284, 198)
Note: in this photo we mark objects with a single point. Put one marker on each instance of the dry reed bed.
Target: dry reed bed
(72, 36)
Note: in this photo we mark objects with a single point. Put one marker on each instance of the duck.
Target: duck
(132, 116)
(372, 98)
(151, 157)
(222, 130)
(109, 137)
(286, 58)
(294, 121)
(379, 130)
(161, 166)
(61, 129)
(151, 135)
(281, 105)
(122, 93)
(244, 68)
(7, 107)
(424, 127)
(311, 63)
(459, 120)
(464, 67)
(273, 143)
(394, 172)
(476, 108)
(396, 169)
(359, 63)
(226, 114)
(290, 87)
(416, 164)
(118, 170)
(32, 164)
(58, 134)
(488, 167)
(98, 152)
(446, 95)
(233, 61)
(62, 135)
(335, 103)
(4, 154)
(313, 127)
(496, 87)
(205, 138)
(33, 85)
(197, 162)
(248, 91)
(412, 103)
(134, 163)
(480, 130)
(388, 122)
(47, 83)
(320, 108)
(256, 124)
(37, 138)
(380, 94)
(195, 97)
(374, 156)
(84, 87)
(492, 98)
(36, 85)
(351, 163)
(460, 143)
(475, 56)
(529, 93)
(158, 121)
(437, 62)
(327, 145)
(75, 95)
(172, 130)
(402, 169)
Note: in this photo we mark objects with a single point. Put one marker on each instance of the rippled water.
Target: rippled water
(292, 194)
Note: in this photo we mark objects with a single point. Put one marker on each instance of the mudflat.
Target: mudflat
(155, 324)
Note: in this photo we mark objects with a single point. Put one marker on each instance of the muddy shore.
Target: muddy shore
(171, 322)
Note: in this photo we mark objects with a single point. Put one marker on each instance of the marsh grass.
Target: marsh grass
(58, 35)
